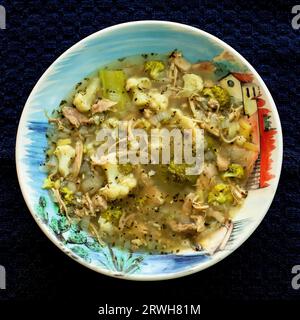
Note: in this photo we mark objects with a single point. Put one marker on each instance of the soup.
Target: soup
(146, 206)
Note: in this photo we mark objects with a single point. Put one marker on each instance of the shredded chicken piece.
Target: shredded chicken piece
(213, 104)
(202, 103)
(191, 202)
(154, 195)
(181, 63)
(102, 105)
(96, 233)
(228, 140)
(235, 113)
(88, 202)
(188, 203)
(192, 106)
(78, 158)
(209, 128)
(147, 113)
(182, 227)
(173, 74)
(81, 212)
(99, 202)
(62, 205)
(75, 117)
(125, 219)
(206, 177)
(196, 226)
(59, 123)
(199, 222)
(222, 162)
(238, 193)
(200, 206)
(218, 215)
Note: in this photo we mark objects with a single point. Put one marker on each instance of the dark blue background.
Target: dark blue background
(37, 33)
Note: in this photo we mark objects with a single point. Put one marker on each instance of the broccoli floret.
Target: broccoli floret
(83, 101)
(67, 194)
(126, 168)
(154, 68)
(62, 142)
(218, 93)
(220, 194)
(234, 171)
(112, 213)
(49, 184)
(178, 172)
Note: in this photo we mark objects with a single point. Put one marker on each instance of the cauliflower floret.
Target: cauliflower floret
(119, 185)
(140, 98)
(105, 226)
(138, 83)
(137, 86)
(158, 101)
(83, 101)
(183, 121)
(111, 122)
(64, 154)
(192, 84)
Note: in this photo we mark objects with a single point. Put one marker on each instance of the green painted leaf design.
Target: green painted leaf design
(81, 252)
(42, 202)
(59, 224)
(41, 209)
(93, 245)
(77, 237)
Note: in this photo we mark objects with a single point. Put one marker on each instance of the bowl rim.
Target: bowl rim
(181, 27)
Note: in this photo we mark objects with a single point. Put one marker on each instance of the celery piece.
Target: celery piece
(113, 85)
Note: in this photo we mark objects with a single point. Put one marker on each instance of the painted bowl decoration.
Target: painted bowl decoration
(128, 39)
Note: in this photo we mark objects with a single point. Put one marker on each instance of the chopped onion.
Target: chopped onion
(91, 184)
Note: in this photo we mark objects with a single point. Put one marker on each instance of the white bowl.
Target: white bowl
(83, 58)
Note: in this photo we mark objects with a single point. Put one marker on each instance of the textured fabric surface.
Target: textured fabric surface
(37, 33)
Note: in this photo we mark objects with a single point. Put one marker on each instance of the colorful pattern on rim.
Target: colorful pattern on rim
(96, 51)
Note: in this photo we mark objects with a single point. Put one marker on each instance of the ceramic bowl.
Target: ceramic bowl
(97, 50)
